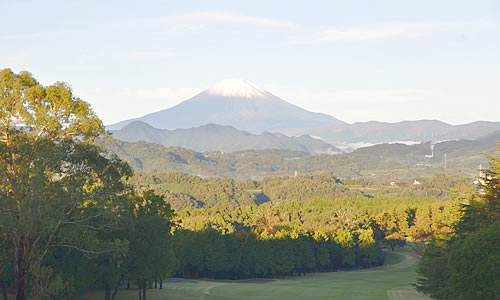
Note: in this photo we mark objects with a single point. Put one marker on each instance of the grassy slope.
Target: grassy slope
(392, 281)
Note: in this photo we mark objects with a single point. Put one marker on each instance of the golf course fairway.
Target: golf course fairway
(392, 281)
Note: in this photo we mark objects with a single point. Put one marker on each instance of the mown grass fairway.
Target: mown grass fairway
(392, 281)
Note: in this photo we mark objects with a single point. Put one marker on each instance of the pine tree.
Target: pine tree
(467, 265)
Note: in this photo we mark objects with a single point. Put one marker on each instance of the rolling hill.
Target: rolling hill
(213, 137)
(390, 161)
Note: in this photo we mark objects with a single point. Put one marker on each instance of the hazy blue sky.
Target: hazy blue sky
(356, 60)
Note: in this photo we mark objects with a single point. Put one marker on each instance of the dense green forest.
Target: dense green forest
(74, 216)
(330, 223)
(182, 190)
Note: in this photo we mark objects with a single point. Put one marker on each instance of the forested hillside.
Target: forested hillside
(182, 190)
(385, 161)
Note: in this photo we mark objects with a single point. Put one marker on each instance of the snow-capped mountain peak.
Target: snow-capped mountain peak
(237, 103)
(236, 88)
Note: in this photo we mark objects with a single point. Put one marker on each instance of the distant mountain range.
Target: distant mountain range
(213, 137)
(368, 133)
(255, 112)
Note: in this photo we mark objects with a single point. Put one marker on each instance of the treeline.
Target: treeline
(248, 254)
(403, 219)
(295, 237)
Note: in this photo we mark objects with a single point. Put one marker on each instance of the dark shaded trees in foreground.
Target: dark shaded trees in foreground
(150, 257)
(466, 264)
(246, 254)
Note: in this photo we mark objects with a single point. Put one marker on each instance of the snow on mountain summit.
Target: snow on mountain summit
(237, 103)
(236, 88)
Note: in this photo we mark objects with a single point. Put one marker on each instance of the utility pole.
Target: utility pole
(445, 160)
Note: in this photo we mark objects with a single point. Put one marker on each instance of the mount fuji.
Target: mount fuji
(246, 107)
(236, 103)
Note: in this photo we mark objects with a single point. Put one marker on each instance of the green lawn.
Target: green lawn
(392, 281)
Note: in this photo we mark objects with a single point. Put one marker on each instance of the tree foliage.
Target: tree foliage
(466, 263)
(150, 256)
(55, 187)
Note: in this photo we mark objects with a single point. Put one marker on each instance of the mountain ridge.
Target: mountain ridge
(246, 107)
(214, 137)
(376, 132)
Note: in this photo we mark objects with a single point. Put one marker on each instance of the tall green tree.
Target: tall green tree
(55, 187)
(466, 266)
(149, 256)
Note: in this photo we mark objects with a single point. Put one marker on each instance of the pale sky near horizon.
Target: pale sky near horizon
(355, 60)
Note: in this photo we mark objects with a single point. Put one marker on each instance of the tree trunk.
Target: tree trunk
(145, 282)
(156, 284)
(21, 289)
(107, 296)
(115, 291)
(128, 284)
(21, 283)
(4, 290)
(20, 271)
(139, 287)
(161, 284)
